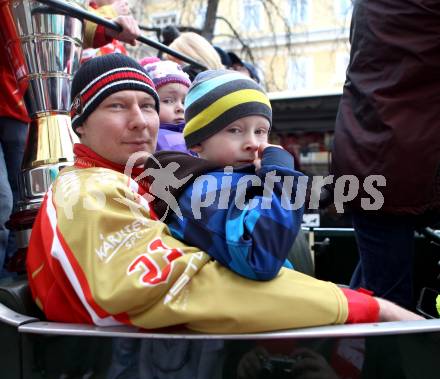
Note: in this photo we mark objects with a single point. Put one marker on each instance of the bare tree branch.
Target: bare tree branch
(245, 46)
(210, 18)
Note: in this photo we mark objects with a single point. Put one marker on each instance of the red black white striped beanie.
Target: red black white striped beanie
(102, 76)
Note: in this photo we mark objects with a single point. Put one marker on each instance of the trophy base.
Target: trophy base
(48, 150)
(34, 184)
(50, 141)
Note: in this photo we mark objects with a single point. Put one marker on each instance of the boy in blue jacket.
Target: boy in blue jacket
(235, 200)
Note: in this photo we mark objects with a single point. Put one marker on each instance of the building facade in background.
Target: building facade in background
(297, 45)
(300, 48)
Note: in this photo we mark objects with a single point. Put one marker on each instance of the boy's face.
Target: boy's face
(237, 143)
(172, 96)
(126, 122)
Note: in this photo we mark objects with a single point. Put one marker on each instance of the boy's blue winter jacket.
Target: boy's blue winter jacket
(239, 216)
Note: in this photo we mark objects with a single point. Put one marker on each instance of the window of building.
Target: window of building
(300, 73)
(343, 7)
(252, 15)
(299, 11)
(163, 19)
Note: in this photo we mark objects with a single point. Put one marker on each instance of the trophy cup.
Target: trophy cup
(44, 48)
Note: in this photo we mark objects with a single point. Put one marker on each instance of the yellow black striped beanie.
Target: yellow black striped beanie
(219, 97)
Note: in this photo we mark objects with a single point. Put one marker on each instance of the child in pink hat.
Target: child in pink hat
(172, 85)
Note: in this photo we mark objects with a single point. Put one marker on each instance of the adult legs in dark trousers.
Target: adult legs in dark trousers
(13, 134)
(386, 253)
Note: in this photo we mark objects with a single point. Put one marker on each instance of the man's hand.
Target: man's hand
(130, 30)
(121, 7)
(389, 311)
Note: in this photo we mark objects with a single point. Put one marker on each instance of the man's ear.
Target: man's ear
(197, 148)
(80, 130)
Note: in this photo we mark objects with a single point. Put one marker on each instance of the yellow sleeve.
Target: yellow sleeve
(106, 11)
(89, 33)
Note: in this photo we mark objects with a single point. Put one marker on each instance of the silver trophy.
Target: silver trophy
(44, 48)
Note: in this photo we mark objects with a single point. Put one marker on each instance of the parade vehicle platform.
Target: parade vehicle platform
(32, 347)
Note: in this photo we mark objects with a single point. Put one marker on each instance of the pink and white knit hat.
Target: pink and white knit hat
(165, 72)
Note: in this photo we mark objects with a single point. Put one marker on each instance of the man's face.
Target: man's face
(237, 143)
(172, 96)
(126, 122)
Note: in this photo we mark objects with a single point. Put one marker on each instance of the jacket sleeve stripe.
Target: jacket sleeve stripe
(73, 271)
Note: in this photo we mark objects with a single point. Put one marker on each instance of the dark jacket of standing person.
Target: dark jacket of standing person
(388, 121)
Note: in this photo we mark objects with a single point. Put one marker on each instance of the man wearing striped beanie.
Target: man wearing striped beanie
(228, 118)
(114, 109)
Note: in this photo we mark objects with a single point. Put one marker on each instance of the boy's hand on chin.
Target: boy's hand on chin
(261, 148)
(264, 146)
